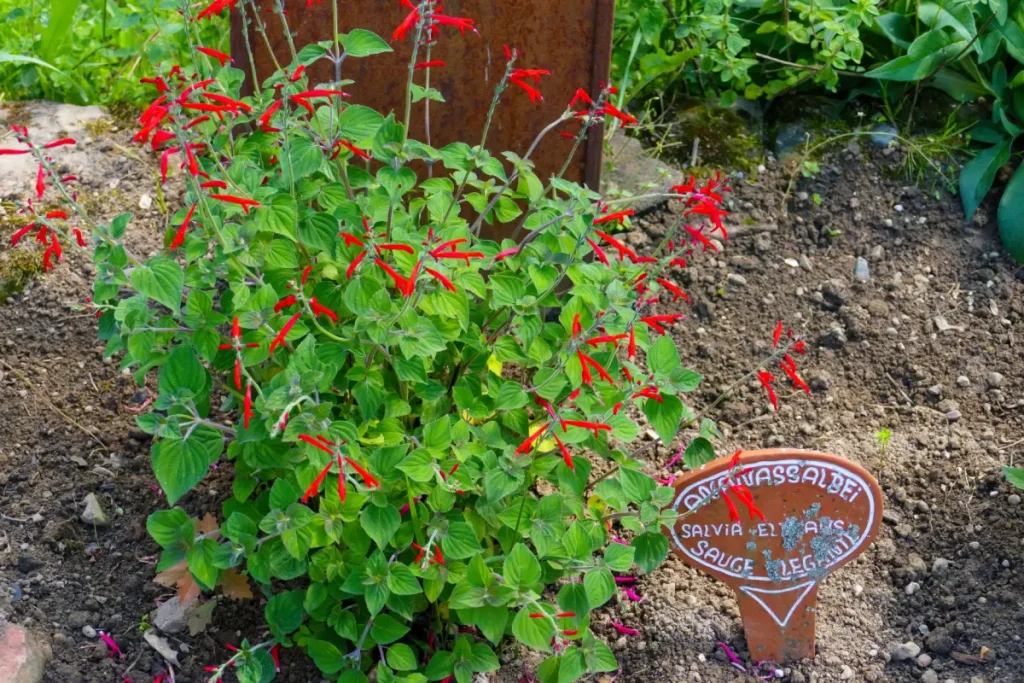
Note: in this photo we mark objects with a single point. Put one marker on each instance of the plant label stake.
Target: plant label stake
(820, 511)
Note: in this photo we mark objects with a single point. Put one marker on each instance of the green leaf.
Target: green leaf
(171, 529)
(952, 14)
(461, 542)
(439, 666)
(571, 666)
(1011, 216)
(380, 524)
(535, 633)
(483, 659)
(574, 597)
(663, 357)
(924, 54)
(897, 28)
(636, 486)
(60, 22)
(521, 568)
(400, 657)
(284, 611)
(386, 629)
(201, 563)
(699, 452)
(362, 43)
(619, 557)
(182, 371)
(162, 280)
(179, 464)
(665, 417)
(326, 655)
(279, 216)
(978, 174)
(600, 585)
(359, 123)
(402, 581)
(651, 550)
(1015, 475)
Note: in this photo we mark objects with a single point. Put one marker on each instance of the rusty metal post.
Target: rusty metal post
(572, 38)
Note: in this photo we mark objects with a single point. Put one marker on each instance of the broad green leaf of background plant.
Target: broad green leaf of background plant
(362, 43)
(977, 175)
(162, 280)
(61, 18)
(1015, 475)
(1011, 216)
(924, 54)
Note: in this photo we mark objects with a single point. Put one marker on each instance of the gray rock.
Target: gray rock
(805, 263)
(835, 339)
(1013, 499)
(22, 658)
(737, 279)
(912, 587)
(861, 269)
(634, 170)
(939, 642)
(993, 380)
(907, 650)
(93, 513)
(883, 135)
(924, 661)
(935, 390)
(929, 676)
(963, 381)
(88, 631)
(170, 616)
(846, 673)
(877, 253)
(940, 565)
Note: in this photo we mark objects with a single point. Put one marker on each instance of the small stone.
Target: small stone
(22, 658)
(912, 587)
(953, 415)
(88, 631)
(145, 201)
(791, 262)
(846, 673)
(861, 270)
(963, 381)
(737, 279)
(877, 253)
(898, 208)
(929, 676)
(907, 650)
(28, 564)
(924, 661)
(935, 390)
(805, 263)
(974, 545)
(835, 339)
(93, 513)
(993, 380)
(1013, 499)
(940, 565)
(858, 589)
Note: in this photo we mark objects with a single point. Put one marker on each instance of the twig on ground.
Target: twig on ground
(896, 385)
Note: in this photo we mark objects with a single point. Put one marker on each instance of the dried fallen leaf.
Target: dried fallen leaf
(207, 524)
(199, 617)
(235, 585)
(179, 576)
(161, 646)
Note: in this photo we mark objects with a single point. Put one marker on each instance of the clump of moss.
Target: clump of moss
(727, 140)
(17, 114)
(18, 267)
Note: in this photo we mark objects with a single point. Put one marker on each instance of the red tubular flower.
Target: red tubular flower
(368, 478)
(577, 329)
(164, 158)
(631, 350)
(598, 251)
(734, 514)
(355, 150)
(428, 65)
(305, 274)
(533, 93)
(655, 321)
(766, 378)
(40, 182)
(198, 85)
(215, 7)
(570, 632)
(247, 406)
(680, 262)
(351, 239)
(714, 214)
(238, 373)
(265, 117)
(777, 335)
(593, 426)
(179, 236)
(459, 255)
(78, 237)
(316, 443)
(10, 152)
(649, 392)
(798, 383)
(159, 82)
(279, 339)
(607, 339)
(747, 498)
(232, 199)
(676, 292)
(442, 279)
(193, 167)
(314, 488)
(297, 73)
(195, 122)
(614, 217)
(566, 456)
(700, 237)
(396, 247)
(319, 310)
(59, 143)
(401, 282)
(214, 184)
(460, 23)
(225, 101)
(236, 328)
(527, 445)
(289, 300)
(626, 119)
(159, 138)
(355, 263)
(580, 96)
(276, 650)
(57, 214)
(16, 237)
(617, 245)
(407, 24)
(447, 246)
(219, 56)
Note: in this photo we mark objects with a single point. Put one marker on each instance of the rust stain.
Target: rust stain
(572, 38)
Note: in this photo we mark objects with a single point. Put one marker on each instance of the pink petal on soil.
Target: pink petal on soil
(732, 657)
(675, 458)
(616, 539)
(114, 649)
(625, 630)
(632, 594)
(625, 579)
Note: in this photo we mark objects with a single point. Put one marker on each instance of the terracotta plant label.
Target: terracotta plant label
(820, 511)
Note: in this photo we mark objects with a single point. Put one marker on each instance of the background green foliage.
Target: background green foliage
(91, 52)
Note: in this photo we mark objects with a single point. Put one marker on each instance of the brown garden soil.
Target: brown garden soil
(944, 573)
